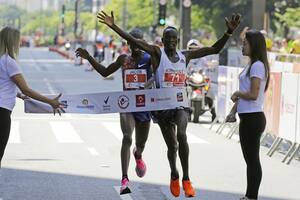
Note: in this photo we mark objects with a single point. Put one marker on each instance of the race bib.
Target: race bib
(174, 78)
(135, 78)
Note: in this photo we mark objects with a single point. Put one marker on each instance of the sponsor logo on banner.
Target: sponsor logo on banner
(179, 97)
(140, 100)
(65, 103)
(123, 101)
(106, 100)
(106, 106)
(85, 104)
(160, 99)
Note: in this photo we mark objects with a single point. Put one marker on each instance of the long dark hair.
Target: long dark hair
(258, 52)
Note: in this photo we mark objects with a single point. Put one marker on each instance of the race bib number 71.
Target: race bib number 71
(174, 78)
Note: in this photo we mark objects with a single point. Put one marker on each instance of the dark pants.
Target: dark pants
(252, 125)
(5, 123)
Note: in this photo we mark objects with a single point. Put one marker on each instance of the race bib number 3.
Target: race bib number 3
(174, 78)
(135, 78)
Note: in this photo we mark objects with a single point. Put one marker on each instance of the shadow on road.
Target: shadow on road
(32, 185)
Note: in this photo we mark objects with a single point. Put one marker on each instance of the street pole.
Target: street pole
(19, 23)
(154, 12)
(95, 10)
(124, 15)
(258, 14)
(63, 20)
(155, 19)
(180, 25)
(41, 17)
(185, 22)
(76, 18)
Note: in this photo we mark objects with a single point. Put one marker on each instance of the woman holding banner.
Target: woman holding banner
(253, 81)
(11, 79)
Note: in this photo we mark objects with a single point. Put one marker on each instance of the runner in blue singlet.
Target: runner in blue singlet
(136, 70)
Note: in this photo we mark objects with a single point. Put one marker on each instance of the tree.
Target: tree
(139, 13)
(276, 10)
(289, 19)
(10, 14)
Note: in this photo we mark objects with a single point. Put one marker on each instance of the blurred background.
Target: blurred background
(51, 22)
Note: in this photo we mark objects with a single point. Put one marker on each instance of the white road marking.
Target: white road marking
(65, 132)
(93, 151)
(123, 196)
(192, 139)
(14, 137)
(44, 61)
(50, 88)
(68, 115)
(114, 128)
(50, 117)
(167, 193)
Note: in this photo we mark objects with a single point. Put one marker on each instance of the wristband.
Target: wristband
(228, 34)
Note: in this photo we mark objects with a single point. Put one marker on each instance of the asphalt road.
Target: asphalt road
(77, 156)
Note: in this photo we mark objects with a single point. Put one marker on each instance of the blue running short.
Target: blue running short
(142, 116)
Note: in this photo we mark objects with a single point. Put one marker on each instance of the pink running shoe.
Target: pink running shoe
(140, 167)
(124, 186)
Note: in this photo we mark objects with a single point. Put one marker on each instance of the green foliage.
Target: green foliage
(139, 13)
(10, 12)
(217, 10)
(50, 21)
(199, 20)
(290, 18)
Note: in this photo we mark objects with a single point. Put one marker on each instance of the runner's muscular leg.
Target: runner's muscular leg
(127, 125)
(181, 120)
(141, 136)
(169, 133)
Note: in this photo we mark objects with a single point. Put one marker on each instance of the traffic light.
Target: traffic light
(63, 11)
(162, 14)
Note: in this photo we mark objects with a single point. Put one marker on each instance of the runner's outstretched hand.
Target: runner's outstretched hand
(105, 19)
(233, 23)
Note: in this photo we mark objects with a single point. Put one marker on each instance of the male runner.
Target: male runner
(169, 66)
(136, 70)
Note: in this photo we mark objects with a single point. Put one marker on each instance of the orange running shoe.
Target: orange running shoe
(188, 188)
(175, 187)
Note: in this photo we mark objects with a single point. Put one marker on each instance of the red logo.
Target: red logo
(140, 100)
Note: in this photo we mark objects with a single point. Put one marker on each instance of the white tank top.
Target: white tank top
(171, 74)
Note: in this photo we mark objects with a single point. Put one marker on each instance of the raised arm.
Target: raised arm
(217, 47)
(101, 69)
(141, 44)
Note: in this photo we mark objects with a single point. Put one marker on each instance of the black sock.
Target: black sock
(137, 156)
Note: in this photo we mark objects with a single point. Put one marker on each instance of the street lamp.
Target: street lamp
(185, 22)
(76, 18)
